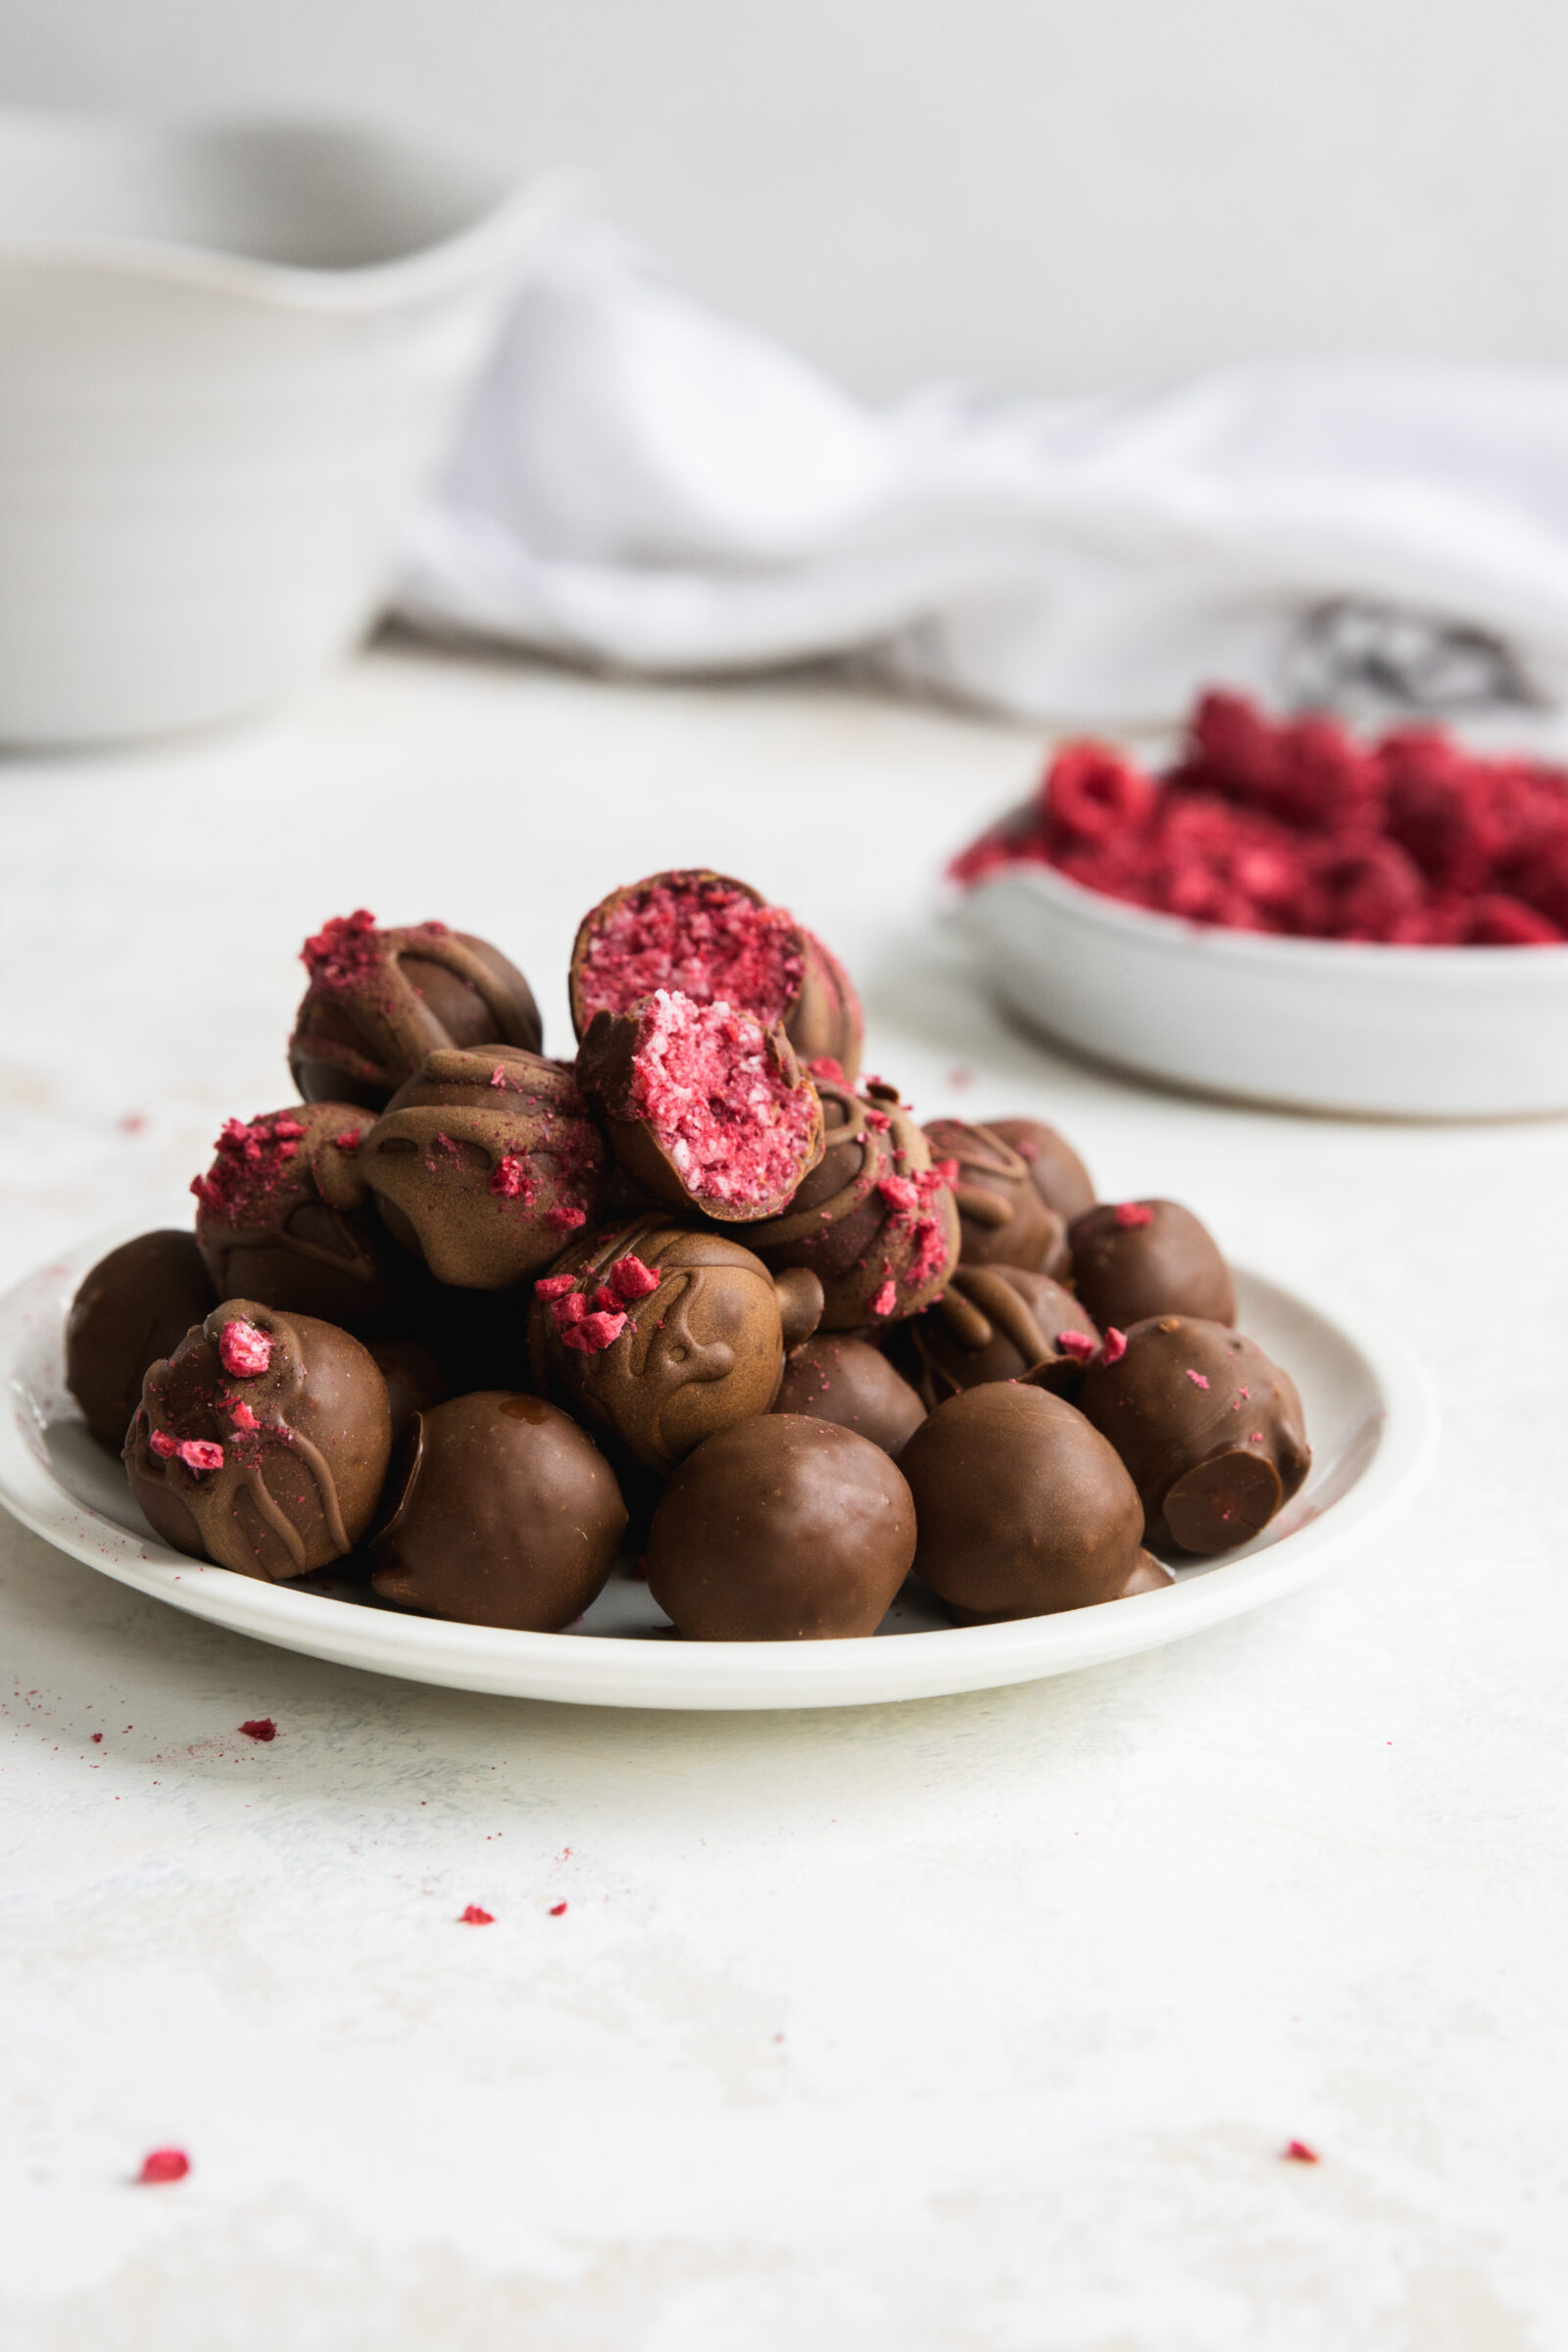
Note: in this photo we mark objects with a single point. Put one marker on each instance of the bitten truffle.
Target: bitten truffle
(1023, 1508)
(135, 1306)
(656, 1335)
(839, 1379)
(783, 1529)
(262, 1443)
(708, 1111)
(1002, 1323)
(1056, 1170)
(1002, 1218)
(502, 1512)
(380, 1001)
(485, 1163)
(268, 1231)
(1135, 1259)
(715, 939)
(874, 1221)
(1211, 1432)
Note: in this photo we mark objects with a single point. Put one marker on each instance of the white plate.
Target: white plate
(1316, 1024)
(1370, 1414)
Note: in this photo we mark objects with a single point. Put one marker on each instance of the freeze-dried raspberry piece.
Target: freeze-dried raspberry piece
(1091, 794)
(1498, 920)
(200, 1455)
(246, 1351)
(1130, 1213)
(474, 1915)
(162, 2166)
(554, 1285)
(1076, 1344)
(630, 1279)
(1115, 1347)
(594, 1333)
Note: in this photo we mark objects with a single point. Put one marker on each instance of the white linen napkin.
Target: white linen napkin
(642, 485)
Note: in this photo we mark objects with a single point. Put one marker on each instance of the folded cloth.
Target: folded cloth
(642, 485)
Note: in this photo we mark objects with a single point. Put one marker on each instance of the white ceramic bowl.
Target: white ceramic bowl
(1314, 1024)
(1369, 1411)
(230, 359)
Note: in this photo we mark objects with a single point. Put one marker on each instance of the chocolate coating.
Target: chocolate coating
(1126, 1266)
(1002, 1218)
(873, 1220)
(660, 1371)
(298, 1447)
(838, 1379)
(415, 1380)
(269, 1231)
(813, 996)
(783, 1529)
(484, 1162)
(1148, 1576)
(1056, 1170)
(1211, 1432)
(1001, 1323)
(1023, 1508)
(502, 1512)
(135, 1306)
(380, 1001)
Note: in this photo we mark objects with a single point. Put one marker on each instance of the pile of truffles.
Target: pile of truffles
(467, 1325)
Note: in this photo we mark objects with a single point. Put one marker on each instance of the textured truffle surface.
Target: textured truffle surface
(1135, 1259)
(783, 1529)
(380, 1001)
(1023, 1508)
(135, 1306)
(1002, 1220)
(501, 1511)
(1002, 1323)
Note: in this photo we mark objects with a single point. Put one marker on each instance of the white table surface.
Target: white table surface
(976, 2025)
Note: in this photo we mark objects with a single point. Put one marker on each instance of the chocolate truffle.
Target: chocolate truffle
(415, 1380)
(1148, 1576)
(484, 1162)
(502, 1512)
(135, 1306)
(1023, 1508)
(656, 1335)
(708, 1111)
(262, 1443)
(875, 1221)
(838, 1379)
(1210, 1431)
(783, 1529)
(715, 939)
(380, 1001)
(268, 1231)
(1134, 1258)
(1002, 1218)
(1002, 1323)
(1057, 1173)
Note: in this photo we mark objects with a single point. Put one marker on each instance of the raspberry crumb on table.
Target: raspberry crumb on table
(163, 2165)
(475, 1917)
(260, 1726)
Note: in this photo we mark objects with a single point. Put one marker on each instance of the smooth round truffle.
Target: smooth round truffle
(874, 1220)
(839, 1379)
(708, 1111)
(656, 1335)
(135, 1306)
(716, 940)
(485, 1163)
(269, 1231)
(1056, 1170)
(380, 1001)
(1023, 1508)
(1002, 1218)
(1135, 1259)
(1002, 1323)
(501, 1511)
(262, 1443)
(1211, 1432)
(783, 1529)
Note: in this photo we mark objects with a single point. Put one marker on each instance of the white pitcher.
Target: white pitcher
(231, 357)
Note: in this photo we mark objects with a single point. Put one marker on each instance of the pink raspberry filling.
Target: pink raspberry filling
(700, 937)
(735, 1126)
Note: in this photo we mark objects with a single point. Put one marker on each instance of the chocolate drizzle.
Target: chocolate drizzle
(368, 1025)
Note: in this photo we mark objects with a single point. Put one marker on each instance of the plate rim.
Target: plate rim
(604, 1671)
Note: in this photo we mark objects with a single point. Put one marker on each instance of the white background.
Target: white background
(1045, 194)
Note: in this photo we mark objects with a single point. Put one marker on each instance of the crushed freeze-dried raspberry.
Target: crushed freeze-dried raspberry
(97, 1739)
(603, 1301)
(200, 1455)
(565, 1219)
(828, 1068)
(163, 1445)
(887, 1297)
(1254, 1437)
(241, 1415)
(498, 1076)
(348, 1140)
(475, 1917)
(630, 1279)
(878, 1121)
(252, 1169)
(568, 1307)
(245, 1349)
(510, 1179)
(1199, 1380)
(1115, 1347)
(344, 946)
(1076, 1344)
(556, 1909)
(594, 1334)
(161, 2166)
(1134, 1212)
(260, 1726)
(1296, 2151)
(554, 1285)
